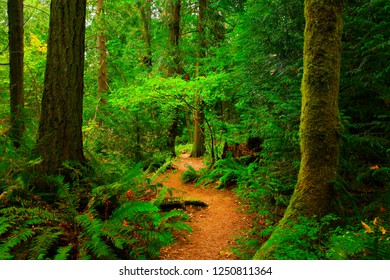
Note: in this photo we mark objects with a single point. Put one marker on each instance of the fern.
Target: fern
(161, 196)
(92, 236)
(130, 209)
(160, 171)
(63, 253)
(86, 222)
(190, 175)
(17, 237)
(43, 242)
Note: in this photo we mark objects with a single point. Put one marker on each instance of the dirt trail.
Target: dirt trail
(214, 227)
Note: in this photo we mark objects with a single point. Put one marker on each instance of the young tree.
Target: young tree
(319, 129)
(60, 135)
(16, 49)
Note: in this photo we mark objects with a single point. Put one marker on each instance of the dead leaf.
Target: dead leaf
(367, 228)
(129, 195)
(374, 167)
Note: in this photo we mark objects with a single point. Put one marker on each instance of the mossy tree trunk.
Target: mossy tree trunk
(60, 135)
(16, 50)
(319, 129)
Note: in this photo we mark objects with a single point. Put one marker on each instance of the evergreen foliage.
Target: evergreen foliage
(109, 208)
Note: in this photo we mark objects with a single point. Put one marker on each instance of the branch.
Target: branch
(36, 8)
(6, 48)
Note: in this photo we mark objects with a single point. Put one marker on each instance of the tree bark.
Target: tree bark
(319, 129)
(60, 127)
(102, 48)
(175, 68)
(198, 148)
(145, 11)
(16, 49)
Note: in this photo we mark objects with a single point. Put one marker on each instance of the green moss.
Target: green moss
(319, 130)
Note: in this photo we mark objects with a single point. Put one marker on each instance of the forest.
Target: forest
(133, 129)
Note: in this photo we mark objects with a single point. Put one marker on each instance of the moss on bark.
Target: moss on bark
(320, 129)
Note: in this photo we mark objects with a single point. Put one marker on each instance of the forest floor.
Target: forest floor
(215, 227)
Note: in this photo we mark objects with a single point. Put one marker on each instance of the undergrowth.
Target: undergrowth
(341, 235)
(86, 219)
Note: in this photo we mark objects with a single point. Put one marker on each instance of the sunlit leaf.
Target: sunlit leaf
(367, 228)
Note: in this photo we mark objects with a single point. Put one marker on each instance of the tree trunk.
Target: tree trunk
(60, 135)
(173, 131)
(145, 11)
(198, 148)
(175, 68)
(101, 42)
(319, 130)
(202, 45)
(16, 49)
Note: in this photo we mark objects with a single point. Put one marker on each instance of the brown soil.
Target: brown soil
(215, 227)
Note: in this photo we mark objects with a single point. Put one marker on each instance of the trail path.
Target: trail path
(214, 227)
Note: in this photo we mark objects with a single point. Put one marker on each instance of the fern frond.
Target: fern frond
(159, 171)
(63, 253)
(4, 225)
(174, 214)
(17, 237)
(160, 197)
(93, 228)
(129, 209)
(43, 242)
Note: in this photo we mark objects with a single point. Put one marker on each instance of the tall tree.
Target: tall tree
(198, 147)
(145, 12)
(102, 48)
(175, 67)
(60, 135)
(16, 49)
(174, 18)
(319, 129)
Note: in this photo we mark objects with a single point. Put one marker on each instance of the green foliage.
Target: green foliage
(304, 239)
(226, 172)
(266, 192)
(86, 221)
(371, 242)
(250, 88)
(190, 175)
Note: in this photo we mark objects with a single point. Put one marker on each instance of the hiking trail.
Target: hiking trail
(215, 227)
